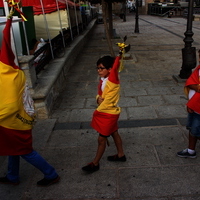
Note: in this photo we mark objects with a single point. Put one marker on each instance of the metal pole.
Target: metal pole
(25, 35)
(60, 22)
(26, 40)
(188, 52)
(76, 17)
(80, 14)
(136, 17)
(110, 22)
(47, 29)
(13, 44)
(69, 20)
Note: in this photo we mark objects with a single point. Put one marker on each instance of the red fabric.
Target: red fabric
(49, 5)
(194, 77)
(7, 56)
(12, 142)
(47, 9)
(15, 142)
(99, 87)
(194, 102)
(104, 123)
(113, 76)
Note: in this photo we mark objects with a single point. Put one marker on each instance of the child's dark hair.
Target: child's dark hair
(106, 61)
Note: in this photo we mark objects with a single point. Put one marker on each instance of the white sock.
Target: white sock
(191, 151)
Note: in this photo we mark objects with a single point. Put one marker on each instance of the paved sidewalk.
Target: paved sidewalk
(152, 123)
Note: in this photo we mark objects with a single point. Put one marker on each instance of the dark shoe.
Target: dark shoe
(116, 158)
(185, 154)
(5, 180)
(90, 167)
(47, 182)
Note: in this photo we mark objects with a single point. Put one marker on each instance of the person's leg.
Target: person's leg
(13, 168)
(194, 129)
(192, 142)
(118, 142)
(190, 151)
(100, 150)
(120, 152)
(40, 163)
(94, 165)
(12, 176)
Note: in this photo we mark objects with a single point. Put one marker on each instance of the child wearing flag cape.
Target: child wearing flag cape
(192, 90)
(17, 118)
(105, 117)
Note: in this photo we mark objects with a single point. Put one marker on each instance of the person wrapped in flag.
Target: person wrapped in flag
(105, 117)
(17, 117)
(192, 90)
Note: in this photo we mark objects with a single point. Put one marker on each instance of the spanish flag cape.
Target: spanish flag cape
(194, 79)
(15, 123)
(106, 115)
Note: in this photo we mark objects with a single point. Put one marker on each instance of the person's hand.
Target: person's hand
(198, 88)
(195, 87)
(99, 100)
(190, 110)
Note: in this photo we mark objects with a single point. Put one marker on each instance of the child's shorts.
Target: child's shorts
(193, 124)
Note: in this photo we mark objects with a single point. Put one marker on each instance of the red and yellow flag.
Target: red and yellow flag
(194, 79)
(105, 117)
(15, 122)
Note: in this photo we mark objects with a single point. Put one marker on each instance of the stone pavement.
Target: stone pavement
(152, 123)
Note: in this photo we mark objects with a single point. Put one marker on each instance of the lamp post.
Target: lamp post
(136, 17)
(188, 52)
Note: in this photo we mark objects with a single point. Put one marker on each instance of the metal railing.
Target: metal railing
(56, 47)
(196, 10)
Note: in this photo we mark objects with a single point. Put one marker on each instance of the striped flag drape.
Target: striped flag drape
(105, 117)
(15, 122)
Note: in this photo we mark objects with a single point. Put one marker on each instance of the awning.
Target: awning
(49, 5)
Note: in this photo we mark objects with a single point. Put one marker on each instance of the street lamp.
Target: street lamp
(136, 17)
(188, 52)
